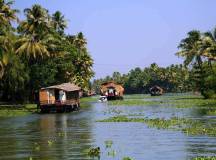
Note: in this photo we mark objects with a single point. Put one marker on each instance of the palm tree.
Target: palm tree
(37, 21)
(190, 48)
(80, 41)
(34, 30)
(6, 13)
(59, 22)
(209, 45)
(32, 48)
(83, 69)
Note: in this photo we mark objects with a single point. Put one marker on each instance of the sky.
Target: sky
(124, 34)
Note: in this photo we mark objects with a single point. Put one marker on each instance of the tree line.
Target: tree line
(197, 73)
(38, 53)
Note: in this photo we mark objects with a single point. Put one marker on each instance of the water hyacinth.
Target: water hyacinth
(188, 126)
(127, 158)
(204, 158)
(108, 143)
(94, 152)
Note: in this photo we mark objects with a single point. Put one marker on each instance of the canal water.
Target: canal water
(69, 136)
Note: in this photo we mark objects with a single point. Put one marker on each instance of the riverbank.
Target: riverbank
(17, 110)
(177, 101)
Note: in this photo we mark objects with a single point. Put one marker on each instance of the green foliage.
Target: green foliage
(39, 54)
(127, 158)
(204, 158)
(178, 101)
(188, 126)
(198, 73)
(108, 143)
(94, 152)
(174, 78)
(198, 50)
(136, 102)
(14, 79)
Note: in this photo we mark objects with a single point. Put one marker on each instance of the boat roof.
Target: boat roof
(69, 87)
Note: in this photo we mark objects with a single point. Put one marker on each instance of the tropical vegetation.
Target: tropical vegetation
(38, 53)
(197, 73)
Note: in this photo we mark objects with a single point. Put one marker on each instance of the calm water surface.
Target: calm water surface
(73, 133)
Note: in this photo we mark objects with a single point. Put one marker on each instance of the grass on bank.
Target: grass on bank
(178, 101)
(133, 102)
(12, 111)
(88, 99)
(187, 126)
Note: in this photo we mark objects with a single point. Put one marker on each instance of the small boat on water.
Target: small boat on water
(102, 99)
(156, 91)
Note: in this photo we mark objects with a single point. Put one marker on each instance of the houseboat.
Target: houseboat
(112, 90)
(156, 91)
(59, 98)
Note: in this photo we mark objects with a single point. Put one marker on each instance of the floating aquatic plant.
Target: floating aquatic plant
(94, 152)
(188, 126)
(61, 134)
(112, 153)
(36, 146)
(204, 158)
(127, 158)
(50, 143)
(108, 143)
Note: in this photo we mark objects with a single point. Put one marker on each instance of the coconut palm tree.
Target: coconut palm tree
(190, 48)
(7, 14)
(80, 41)
(59, 23)
(83, 69)
(34, 31)
(37, 21)
(32, 48)
(209, 45)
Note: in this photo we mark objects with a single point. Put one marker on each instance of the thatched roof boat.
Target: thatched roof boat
(112, 90)
(156, 91)
(63, 97)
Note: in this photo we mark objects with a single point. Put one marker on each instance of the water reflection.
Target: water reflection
(68, 136)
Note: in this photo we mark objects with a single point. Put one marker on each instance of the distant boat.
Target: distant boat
(112, 90)
(156, 91)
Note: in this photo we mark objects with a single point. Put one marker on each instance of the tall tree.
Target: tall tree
(209, 45)
(7, 15)
(190, 48)
(34, 31)
(59, 23)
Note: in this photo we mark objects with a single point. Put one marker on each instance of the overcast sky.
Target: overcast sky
(123, 34)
